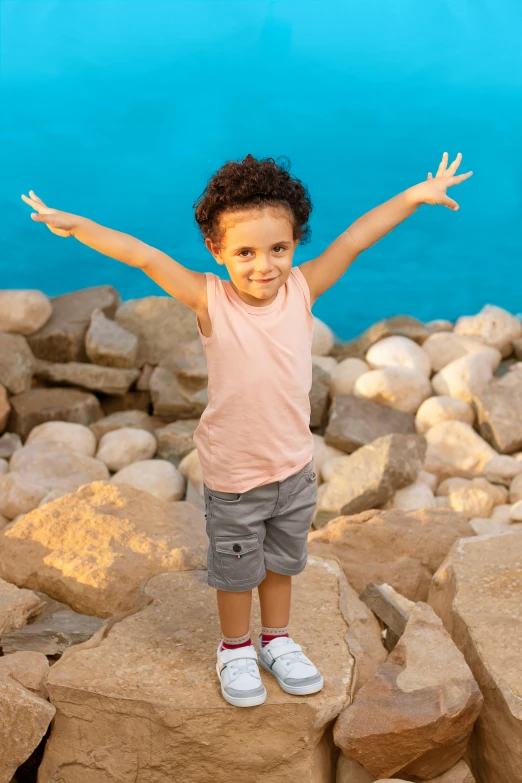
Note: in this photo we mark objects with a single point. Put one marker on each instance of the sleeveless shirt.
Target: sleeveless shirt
(256, 426)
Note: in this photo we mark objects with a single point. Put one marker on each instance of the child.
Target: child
(253, 439)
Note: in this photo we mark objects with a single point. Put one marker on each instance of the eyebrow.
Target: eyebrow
(245, 247)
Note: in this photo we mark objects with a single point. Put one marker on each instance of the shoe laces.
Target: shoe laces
(242, 666)
(290, 657)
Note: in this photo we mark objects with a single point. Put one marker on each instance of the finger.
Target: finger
(35, 197)
(39, 218)
(450, 203)
(459, 178)
(454, 166)
(430, 176)
(442, 165)
(31, 202)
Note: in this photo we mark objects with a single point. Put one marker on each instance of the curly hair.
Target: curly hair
(248, 184)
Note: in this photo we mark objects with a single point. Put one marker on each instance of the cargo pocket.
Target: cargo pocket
(225, 497)
(238, 557)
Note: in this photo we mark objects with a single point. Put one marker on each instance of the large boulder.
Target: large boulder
(107, 343)
(445, 347)
(23, 311)
(397, 387)
(109, 380)
(156, 668)
(401, 548)
(62, 339)
(175, 398)
(76, 437)
(369, 477)
(477, 592)
(38, 405)
(399, 351)
(499, 412)
(427, 703)
(16, 363)
(493, 326)
(93, 548)
(355, 422)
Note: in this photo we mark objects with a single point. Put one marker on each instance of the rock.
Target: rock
(457, 444)
(515, 490)
(10, 442)
(4, 408)
(429, 479)
(516, 512)
(187, 360)
(173, 398)
(476, 592)
(439, 325)
(56, 628)
(39, 405)
(107, 343)
(26, 713)
(517, 348)
(16, 363)
(344, 375)
(364, 637)
(16, 607)
(323, 338)
(404, 603)
(76, 437)
(499, 412)
(471, 501)
(460, 773)
(489, 527)
(175, 440)
(115, 421)
(92, 549)
(63, 336)
(462, 378)
(148, 664)
(109, 380)
(502, 469)
(156, 476)
(371, 475)
(416, 495)
(143, 382)
(403, 325)
(428, 701)
(445, 347)
(157, 322)
(501, 513)
(435, 410)
(396, 387)
(19, 494)
(403, 549)
(124, 446)
(349, 771)
(326, 363)
(399, 351)
(493, 326)
(23, 311)
(319, 397)
(54, 466)
(323, 453)
(190, 468)
(356, 422)
(131, 400)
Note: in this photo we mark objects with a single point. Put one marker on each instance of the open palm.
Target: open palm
(433, 190)
(60, 223)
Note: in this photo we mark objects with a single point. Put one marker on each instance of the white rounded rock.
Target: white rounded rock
(445, 347)
(326, 363)
(439, 325)
(493, 326)
(76, 437)
(329, 465)
(4, 467)
(414, 496)
(441, 501)
(502, 513)
(463, 377)
(55, 466)
(156, 476)
(19, 494)
(498, 494)
(451, 485)
(515, 514)
(434, 410)
(190, 468)
(344, 375)
(395, 387)
(456, 443)
(430, 479)
(515, 489)
(322, 453)
(502, 469)
(398, 351)
(471, 501)
(122, 447)
(323, 338)
(24, 311)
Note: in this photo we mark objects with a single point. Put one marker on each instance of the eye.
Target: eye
(243, 251)
(280, 247)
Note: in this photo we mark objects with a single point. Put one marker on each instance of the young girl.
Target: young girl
(253, 440)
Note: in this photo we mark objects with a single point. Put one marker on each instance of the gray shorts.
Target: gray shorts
(265, 527)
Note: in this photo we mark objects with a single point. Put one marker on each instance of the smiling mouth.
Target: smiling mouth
(268, 279)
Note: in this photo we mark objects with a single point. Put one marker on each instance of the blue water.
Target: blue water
(121, 111)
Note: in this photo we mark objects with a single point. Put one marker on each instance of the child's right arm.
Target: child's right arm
(183, 284)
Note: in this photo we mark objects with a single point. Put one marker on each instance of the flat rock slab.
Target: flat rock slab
(499, 412)
(478, 594)
(39, 405)
(145, 704)
(355, 422)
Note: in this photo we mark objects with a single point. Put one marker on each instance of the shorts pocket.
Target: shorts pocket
(225, 497)
(238, 556)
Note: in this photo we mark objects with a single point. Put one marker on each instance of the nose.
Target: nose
(263, 264)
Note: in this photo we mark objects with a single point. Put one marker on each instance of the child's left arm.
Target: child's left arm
(323, 271)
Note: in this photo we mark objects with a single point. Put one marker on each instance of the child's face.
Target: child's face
(257, 245)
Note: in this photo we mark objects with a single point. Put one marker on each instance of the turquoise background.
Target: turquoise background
(121, 111)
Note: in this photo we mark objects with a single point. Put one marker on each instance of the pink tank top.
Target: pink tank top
(256, 426)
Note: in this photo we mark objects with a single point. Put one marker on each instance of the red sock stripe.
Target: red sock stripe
(265, 638)
(227, 646)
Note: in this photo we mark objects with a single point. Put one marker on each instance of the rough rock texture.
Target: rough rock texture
(25, 713)
(446, 347)
(158, 477)
(349, 771)
(175, 398)
(23, 311)
(109, 380)
(477, 592)
(397, 387)
(175, 439)
(402, 549)
(405, 325)
(38, 405)
(4, 408)
(460, 773)
(456, 445)
(130, 418)
(76, 437)
(107, 343)
(124, 446)
(16, 363)
(364, 636)
(16, 607)
(370, 476)
(54, 466)
(156, 669)
(356, 422)
(10, 442)
(63, 336)
(499, 412)
(492, 326)
(92, 549)
(319, 396)
(158, 322)
(427, 703)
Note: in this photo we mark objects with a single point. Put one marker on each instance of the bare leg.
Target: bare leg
(234, 612)
(275, 596)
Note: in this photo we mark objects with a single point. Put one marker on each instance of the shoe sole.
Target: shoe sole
(253, 701)
(299, 690)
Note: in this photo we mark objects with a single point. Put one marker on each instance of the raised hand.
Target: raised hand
(433, 190)
(60, 223)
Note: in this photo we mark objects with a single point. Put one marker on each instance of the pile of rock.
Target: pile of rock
(417, 434)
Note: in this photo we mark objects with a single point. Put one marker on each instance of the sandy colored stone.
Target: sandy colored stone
(460, 773)
(16, 363)
(76, 437)
(515, 489)
(10, 442)
(434, 410)
(175, 439)
(416, 495)
(457, 445)
(156, 667)
(107, 343)
(19, 494)
(401, 548)
(39, 405)
(463, 377)
(93, 548)
(477, 593)
(404, 325)
(502, 469)
(126, 445)
(427, 702)
(25, 713)
(16, 607)
(174, 398)
(130, 418)
(109, 380)
(53, 466)
(349, 771)
(399, 351)
(397, 387)
(131, 400)
(493, 326)
(356, 422)
(344, 375)
(499, 412)
(445, 347)
(157, 476)
(5, 408)
(23, 311)
(62, 339)
(319, 397)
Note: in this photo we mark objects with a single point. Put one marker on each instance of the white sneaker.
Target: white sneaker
(238, 673)
(295, 673)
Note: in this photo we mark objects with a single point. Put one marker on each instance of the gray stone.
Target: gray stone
(17, 605)
(356, 422)
(131, 400)
(319, 397)
(187, 360)
(403, 325)
(16, 363)
(175, 439)
(107, 343)
(38, 405)
(131, 418)
(23, 311)
(109, 380)
(173, 398)
(62, 339)
(9, 443)
(499, 412)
